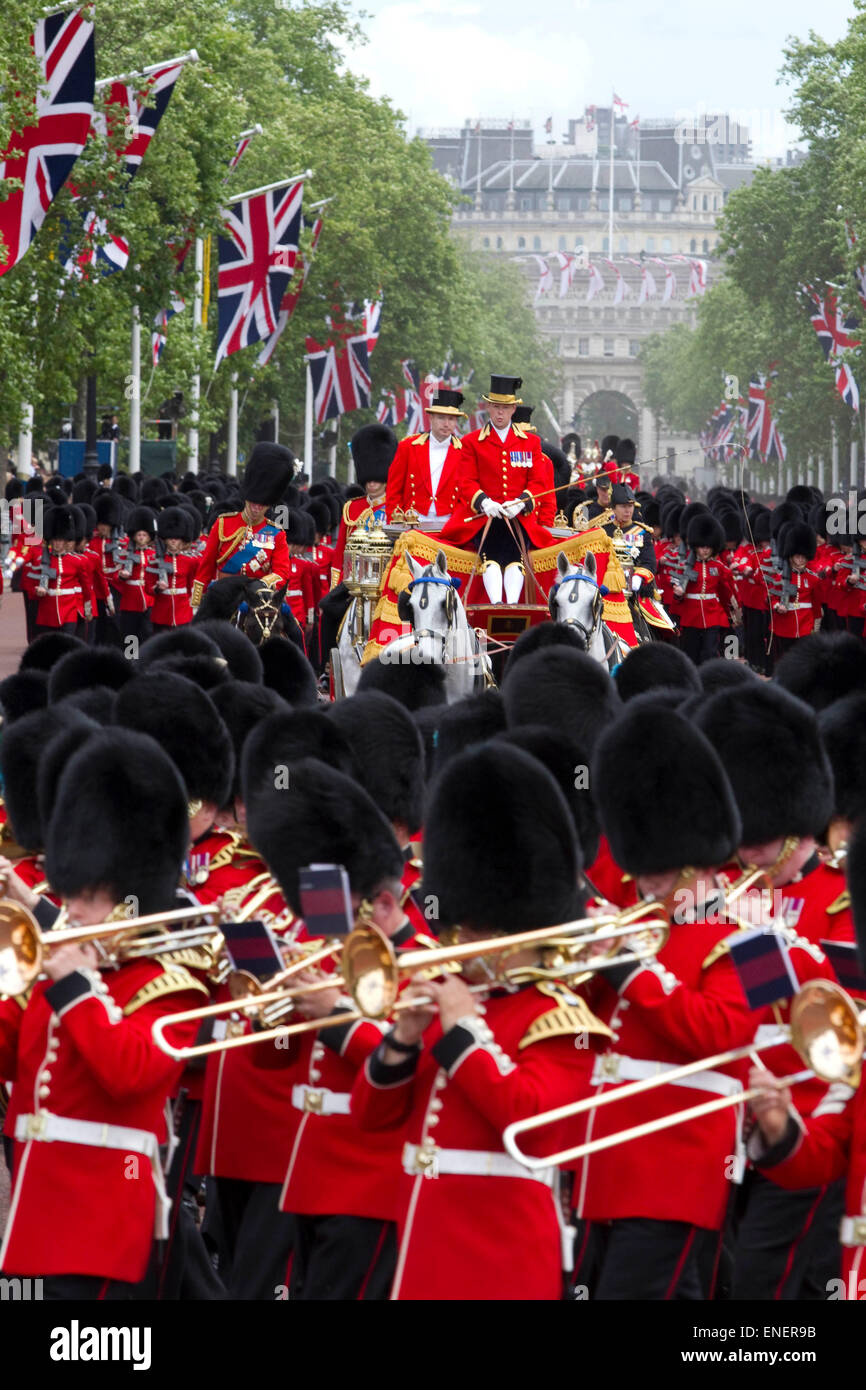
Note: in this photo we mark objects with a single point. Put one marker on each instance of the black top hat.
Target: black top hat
(446, 402)
(503, 390)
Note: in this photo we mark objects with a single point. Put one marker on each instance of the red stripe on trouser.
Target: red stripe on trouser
(578, 1261)
(795, 1243)
(376, 1253)
(680, 1265)
(103, 1291)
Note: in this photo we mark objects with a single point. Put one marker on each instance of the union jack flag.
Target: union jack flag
(622, 289)
(391, 409)
(42, 155)
(834, 335)
(243, 143)
(596, 282)
(256, 262)
(545, 277)
(762, 432)
(619, 103)
(341, 376)
(567, 265)
(137, 109)
(414, 415)
(289, 302)
(859, 270)
(372, 319)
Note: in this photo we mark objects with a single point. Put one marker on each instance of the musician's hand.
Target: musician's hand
(770, 1108)
(63, 960)
(11, 886)
(40, 592)
(453, 1000)
(413, 1023)
(319, 1004)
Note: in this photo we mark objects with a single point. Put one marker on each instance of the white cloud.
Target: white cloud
(439, 73)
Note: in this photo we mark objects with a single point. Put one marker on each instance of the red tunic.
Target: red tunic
(797, 617)
(409, 478)
(232, 533)
(708, 598)
(136, 591)
(468, 1236)
(171, 605)
(81, 1208)
(67, 587)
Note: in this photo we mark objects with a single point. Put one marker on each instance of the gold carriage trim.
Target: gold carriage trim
(386, 612)
(371, 651)
(574, 549)
(426, 548)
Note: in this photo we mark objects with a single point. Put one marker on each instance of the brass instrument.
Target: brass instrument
(372, 973)
(826, 1029)
(23, 944)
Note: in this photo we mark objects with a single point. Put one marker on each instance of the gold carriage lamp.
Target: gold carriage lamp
(365, 559)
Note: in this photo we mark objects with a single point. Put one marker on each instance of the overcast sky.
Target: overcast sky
(441, 61)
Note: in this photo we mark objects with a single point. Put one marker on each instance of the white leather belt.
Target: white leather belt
(294, 593)
(705, 594)
(46, 1128)
(430, 1162)
(610, 1067)
(63, 593)
(852, 1230)
(792, 607)
(139, 583)
(174, 591)
(316, 1100)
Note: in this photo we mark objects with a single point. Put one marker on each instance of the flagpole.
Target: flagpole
(25, 441)
(232, 445)
(834, 458)
(135, 389)
(308, 425)
(610, 193)
(511, 164)
(478, 170)
(192, 438)
(275, 407)
(638, 157)
(190, 57)
(269, 187)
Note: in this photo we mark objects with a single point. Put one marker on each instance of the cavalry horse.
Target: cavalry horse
(253, 606)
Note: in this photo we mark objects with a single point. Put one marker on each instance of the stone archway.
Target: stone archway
(607, 412)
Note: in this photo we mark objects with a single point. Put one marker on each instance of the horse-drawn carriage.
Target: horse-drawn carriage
(415, 598)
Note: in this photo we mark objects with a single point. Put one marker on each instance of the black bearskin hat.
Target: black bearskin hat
(184, 721)
(119, 822)
(719, 673)
(762, 529)
(472, 720)
(732, 524)
(243, 659)
(320, 513)
(797, 538)
(802, 496)
(653, 664)
(187, 640)
(13, 490)
(96, 701)
(414, 684)
(609, 445)
(173, 524)
(492, 811)
(21, 747)
(568, 763)
(126, 486)
(269, 470)
(626, 451)
(295, 527)
(92, 666)
(373, 448)
(691, 509)
(323, 818)
(704, 529)
(109, 509)
(771, 749)
(823, 667)
(666, 765)
(569, 439)
(843, 732)
(59, 523)
(855, 874)
(390, 754)
(152, 491)
(291, 736)
(781, 515)
(288, 672)
(140, 519)
(541, 636)
(23, 692)
(562, 690)
(242, 707)
(206, 671)
(47, 650)
(83, 492)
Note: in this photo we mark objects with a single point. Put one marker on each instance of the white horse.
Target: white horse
(351, 641)
(577, 600)
(440, 634)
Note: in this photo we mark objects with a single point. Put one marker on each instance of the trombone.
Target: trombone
(23, 944)
(826, 1029)
(372, 973)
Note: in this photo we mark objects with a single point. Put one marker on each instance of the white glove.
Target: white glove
(513, 508)
(491, 508)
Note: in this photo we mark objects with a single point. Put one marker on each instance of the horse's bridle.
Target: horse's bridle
(448, 583)
(273, 611)
(597, 604)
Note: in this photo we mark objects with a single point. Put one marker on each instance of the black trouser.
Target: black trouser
(755, 629)
(257, 1239)
(701, 643)
(782, 645)
(638, 1258)
(104, 631)
(786, 1244)
(30, 607)
(854, 623)
(134, 625)
(75, 1288)
(180, 1267)
(40, 630)
(343, 1258)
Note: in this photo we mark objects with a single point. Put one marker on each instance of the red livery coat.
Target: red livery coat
(409, 479)
(503, 471)
(74, 1209)
(479, 1237)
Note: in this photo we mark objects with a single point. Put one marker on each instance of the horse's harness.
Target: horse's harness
(267, 614)
(452, 585)
(597, 603)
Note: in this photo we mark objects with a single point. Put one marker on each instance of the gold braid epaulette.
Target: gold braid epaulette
(570, 1016)
(224, 856)
(175, 980)
(842, 903)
